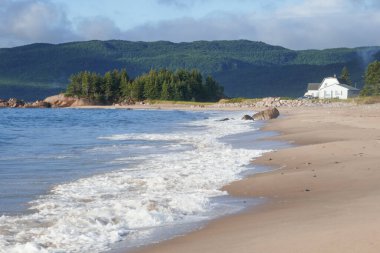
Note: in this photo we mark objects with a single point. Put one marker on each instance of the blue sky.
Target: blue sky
(296, 24)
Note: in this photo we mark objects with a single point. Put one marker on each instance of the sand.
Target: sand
(325, 198)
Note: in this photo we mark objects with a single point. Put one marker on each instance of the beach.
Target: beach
(322, 195)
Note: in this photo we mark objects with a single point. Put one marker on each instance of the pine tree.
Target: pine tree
(85, 84)
(124, 84)
(107, 87)
(372, 80)
(163, 84)
(165, 92)
(137, 89)
(75, 86)
(345, 76)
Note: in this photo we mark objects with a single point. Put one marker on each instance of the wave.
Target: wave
(90, 214)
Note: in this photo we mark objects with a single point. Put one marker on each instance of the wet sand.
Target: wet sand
(325, 197)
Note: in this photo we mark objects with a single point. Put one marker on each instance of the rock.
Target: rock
(271, 113)
(225, 119)
(3, 103)
(247, 117)
(14, 102)
(60, 100)
(38, 104)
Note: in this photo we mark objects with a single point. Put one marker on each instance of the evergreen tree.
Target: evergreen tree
(137, 90)
(124, 84)
(85, 84)
(150, 90)
(75, 85)
(165, 93)
(107, 87)
(345, 76)
(372, 80)
(163, 84)
(96, 82)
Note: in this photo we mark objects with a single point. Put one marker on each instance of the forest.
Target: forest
(244, 68)
(116, 86)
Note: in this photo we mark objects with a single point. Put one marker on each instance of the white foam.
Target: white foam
(90, 214)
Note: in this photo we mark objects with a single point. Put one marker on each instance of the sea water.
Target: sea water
(76, 180)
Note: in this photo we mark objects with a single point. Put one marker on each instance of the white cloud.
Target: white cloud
(100, 28)
(309, 24)
(296, 24)
(33, 21)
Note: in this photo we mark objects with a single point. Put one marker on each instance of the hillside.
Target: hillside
(244, 68)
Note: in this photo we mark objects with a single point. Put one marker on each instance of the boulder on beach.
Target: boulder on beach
(247, 117)
(271, 113)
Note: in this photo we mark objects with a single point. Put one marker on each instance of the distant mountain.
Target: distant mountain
(244, 68)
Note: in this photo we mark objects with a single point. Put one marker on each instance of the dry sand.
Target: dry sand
(326, 197)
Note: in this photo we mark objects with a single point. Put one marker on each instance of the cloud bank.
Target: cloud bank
(296, 24)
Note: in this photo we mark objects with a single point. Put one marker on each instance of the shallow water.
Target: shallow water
(86, 180)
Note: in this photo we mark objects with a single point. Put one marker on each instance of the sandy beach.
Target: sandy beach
(325, 197)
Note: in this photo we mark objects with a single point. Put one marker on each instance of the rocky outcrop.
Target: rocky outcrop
(271, 113)
(38, 104)
(63, 101)
(14, 103)
(3, 103)
(60, 100)
(247, 117)
(17, 103)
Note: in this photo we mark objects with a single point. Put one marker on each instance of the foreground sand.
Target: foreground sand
(326, 197)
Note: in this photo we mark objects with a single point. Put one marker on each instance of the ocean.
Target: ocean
(97, 180)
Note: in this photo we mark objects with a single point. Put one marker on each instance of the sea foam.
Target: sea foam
(90, 214)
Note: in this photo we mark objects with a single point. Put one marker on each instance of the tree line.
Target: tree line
(117, 86)
(371, 79)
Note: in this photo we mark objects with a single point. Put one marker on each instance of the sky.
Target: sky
(294, 24)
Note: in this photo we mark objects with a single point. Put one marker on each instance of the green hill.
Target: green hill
(244, 68)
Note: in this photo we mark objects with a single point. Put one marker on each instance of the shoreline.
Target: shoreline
(323, 199)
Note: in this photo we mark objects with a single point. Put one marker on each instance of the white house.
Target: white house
(331, 87)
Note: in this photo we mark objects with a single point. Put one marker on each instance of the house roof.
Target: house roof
(342, 85)
(348, 86)
(313, 86)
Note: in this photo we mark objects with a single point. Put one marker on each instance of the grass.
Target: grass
(366, 100)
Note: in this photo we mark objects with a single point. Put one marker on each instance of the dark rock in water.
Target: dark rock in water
(271, 113)
(247, 117)
(14, 102)
(225, 119)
